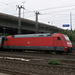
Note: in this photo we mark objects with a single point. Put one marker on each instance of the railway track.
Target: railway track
(37, 64)
(30, 68)
(70, 56)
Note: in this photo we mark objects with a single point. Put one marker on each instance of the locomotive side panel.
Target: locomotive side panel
(34, 43)
(45, 43)
(30, 43)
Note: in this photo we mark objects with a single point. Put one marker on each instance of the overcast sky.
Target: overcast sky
(52, 12)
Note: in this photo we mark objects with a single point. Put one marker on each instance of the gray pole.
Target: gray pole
(71, 21)
(4, 31)
(44, 29)
(19, 20)
(36, 25)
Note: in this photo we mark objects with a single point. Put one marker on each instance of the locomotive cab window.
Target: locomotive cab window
(58, 38)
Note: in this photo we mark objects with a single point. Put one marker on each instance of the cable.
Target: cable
(56, 7)
(49, 13)
(6, 4)
(14, 2)
(28, 11)
(59, 11)
(53, 8)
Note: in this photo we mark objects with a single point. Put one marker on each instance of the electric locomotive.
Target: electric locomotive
(41, 42)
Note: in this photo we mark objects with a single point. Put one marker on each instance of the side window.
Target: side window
(58, 38)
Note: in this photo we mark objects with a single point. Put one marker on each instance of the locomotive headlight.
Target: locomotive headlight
(68, 43)
(65, 49)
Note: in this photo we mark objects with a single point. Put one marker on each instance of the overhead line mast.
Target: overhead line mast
(36, 24)
(71, 21)
(19, 20)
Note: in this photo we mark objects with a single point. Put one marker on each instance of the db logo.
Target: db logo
(28, 42)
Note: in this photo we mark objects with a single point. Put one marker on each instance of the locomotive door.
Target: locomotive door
(55, 43)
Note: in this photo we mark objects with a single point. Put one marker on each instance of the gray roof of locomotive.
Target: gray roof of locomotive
(31, 35)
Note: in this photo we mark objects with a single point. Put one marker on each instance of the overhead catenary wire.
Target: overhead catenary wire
(53, 8)
(57, 7)
(59, 11)
(14, 2)
(51, 11)
(40, 9)
(6, 4)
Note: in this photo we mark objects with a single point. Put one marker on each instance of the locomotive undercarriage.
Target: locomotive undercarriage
(69, 50)
(57, 50)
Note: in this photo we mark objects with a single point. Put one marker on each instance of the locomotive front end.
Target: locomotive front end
(69, 46)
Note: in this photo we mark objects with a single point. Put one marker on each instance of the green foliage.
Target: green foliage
(1, 34)
(70, 34)
(54, 62)
(73, 44)
(53, 53)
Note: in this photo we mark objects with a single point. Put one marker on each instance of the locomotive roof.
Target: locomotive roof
(32, 35)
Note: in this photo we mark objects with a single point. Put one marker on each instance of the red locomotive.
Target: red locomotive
(41, 42)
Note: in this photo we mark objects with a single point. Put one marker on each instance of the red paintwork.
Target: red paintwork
(64, 41)
(38, 41)
(30, 41)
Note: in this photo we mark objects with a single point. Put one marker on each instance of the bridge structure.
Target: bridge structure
(9, 25)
